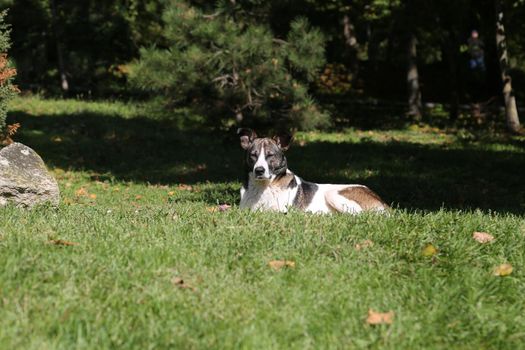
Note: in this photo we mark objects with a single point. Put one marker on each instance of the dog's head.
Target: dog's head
(264, 156)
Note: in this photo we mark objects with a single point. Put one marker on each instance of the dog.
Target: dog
(270, 185)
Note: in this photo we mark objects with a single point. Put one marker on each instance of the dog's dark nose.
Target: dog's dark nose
(259, 171)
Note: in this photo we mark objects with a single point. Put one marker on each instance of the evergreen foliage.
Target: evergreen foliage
(227, 67)
(7, 90)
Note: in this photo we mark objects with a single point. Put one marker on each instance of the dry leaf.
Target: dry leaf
(429, 250)
(171, 193)
(483, 237)
(62, 242)
(179, 283)
(93, 196)
(279, 264)
(364, 244)
(12, 129)
(81, 192)
(503, 270)
(138, 196)
(375, 317)
(184, 187)
(224, 207)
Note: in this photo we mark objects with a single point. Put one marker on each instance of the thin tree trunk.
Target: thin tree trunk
(451, 50)
(414, 92)
(351, 44)
(60, 50)
(511, 111)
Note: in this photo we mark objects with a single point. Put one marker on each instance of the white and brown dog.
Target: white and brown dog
(270, 185)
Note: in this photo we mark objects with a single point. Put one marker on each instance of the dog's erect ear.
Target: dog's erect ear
(247, 136)
(283, 141)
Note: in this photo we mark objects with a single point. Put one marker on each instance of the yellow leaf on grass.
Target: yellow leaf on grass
(483, 237)
(503, 270)
(429, 250)
(279, 264)
(81, 192)
(375, 317)
(364, 244)
(93, 196)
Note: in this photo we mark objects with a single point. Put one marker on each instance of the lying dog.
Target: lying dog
(270, 185)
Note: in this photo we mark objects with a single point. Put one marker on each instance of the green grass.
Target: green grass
(138, 228)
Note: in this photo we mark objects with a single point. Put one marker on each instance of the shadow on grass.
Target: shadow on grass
(411, 176)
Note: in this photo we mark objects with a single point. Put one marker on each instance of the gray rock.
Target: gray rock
(24, 179)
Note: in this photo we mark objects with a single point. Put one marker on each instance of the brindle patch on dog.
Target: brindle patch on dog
(365, 197)
(284, 181)
(305, 194)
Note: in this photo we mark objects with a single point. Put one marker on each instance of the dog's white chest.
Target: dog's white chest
(266, 198)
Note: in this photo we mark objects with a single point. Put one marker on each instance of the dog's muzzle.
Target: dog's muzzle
(259, 172)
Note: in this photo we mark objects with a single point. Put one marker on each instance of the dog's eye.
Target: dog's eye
(253, 154)
(270, 155)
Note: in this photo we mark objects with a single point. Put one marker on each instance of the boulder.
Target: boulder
(24, 179)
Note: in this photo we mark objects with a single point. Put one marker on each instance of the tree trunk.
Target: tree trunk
(60, 50)
(511, 111)
(351, 44)
(451, 49)
(414, 92)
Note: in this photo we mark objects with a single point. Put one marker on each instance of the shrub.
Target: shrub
(7, 90)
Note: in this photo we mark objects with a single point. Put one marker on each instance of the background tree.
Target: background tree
(225, 64)
(511, 110)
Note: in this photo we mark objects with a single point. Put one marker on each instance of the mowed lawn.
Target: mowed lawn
(139, 256)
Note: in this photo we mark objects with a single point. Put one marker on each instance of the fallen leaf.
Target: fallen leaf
(375, 317)
(93, 196)
(483, 237)
(503, 270)
(171, 193)
(81, 192)
(364, 244)
(62, 242)
(224, 207)
(221, 207)
(179, 283)
(279, 264)
(184, 187)
(138, 196)
(429, 250)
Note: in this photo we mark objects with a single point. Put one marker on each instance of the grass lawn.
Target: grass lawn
(139, 201)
